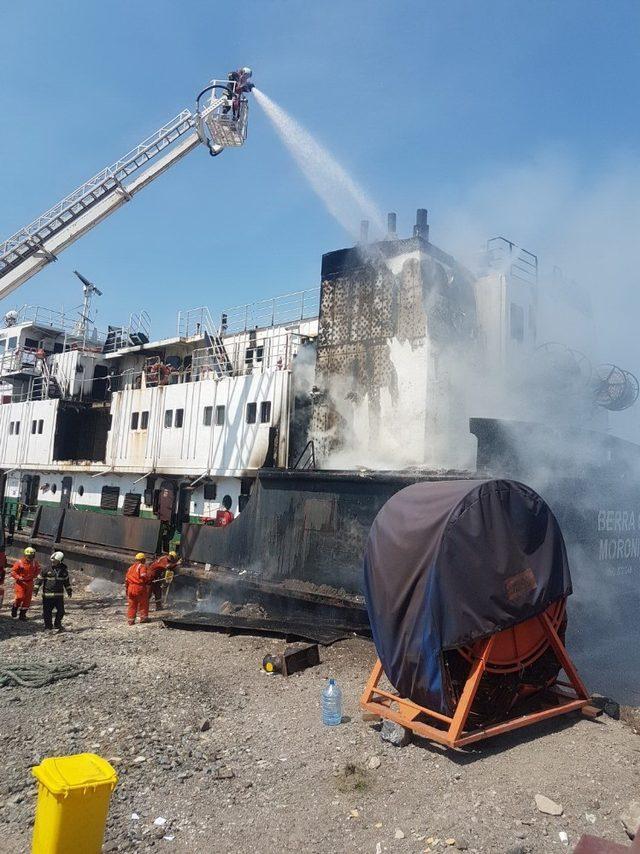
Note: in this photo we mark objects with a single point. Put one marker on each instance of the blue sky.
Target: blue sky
(432, 104)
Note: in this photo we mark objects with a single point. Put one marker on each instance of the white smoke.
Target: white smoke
(303, 370)
(345, 200)
(587, 228)
(104, 587)
(587, 225)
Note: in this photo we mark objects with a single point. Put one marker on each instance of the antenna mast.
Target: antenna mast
(88, 290)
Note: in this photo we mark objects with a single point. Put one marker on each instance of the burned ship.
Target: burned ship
(305, 414)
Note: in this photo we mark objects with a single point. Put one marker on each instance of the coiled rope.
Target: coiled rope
(38, 675)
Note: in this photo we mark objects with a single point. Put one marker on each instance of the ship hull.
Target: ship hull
(297, 550)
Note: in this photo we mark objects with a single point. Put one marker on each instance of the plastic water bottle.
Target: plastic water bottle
(331, 704)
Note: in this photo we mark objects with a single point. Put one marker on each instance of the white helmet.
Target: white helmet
(58, 557)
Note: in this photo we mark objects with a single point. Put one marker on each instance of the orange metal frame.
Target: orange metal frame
(452, 731)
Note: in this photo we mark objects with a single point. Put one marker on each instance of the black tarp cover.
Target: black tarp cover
(450, 562)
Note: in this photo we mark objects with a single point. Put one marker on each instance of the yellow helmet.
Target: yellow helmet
(29, 551)
(173, 555)
(141, 556)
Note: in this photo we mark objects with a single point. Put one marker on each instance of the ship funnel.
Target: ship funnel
(421, 228)
(391, 226)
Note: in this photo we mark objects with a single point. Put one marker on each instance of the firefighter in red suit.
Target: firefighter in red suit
(137, 584)
(24, 572)
(224, 517)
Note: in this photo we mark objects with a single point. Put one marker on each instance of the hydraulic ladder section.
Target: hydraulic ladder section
(32, 247)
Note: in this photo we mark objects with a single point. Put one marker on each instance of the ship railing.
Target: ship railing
(45, 381)
(140, 324)
(38, 315)
(77, 335)
(194, 322)
(22, 360)
(157, 373)
(278, 311)
(510, 257)
(134, 333)
(246, 356)
(206, 365)
(33, 389)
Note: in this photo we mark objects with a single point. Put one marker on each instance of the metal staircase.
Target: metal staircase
(46, 385)
(213, 356)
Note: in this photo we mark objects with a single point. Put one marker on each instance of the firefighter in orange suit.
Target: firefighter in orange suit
(159, 570)
(3, 572)
(137, 584)
(24, 572)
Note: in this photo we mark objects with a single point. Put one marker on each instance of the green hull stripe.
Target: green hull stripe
(11, 506)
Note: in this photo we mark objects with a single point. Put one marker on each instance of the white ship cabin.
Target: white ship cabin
(117, 422)
(507, 303)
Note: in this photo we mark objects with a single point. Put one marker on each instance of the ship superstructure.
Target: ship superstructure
(114, 421)
(381, 367)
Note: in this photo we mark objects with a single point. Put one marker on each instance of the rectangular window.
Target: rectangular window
(134, 420)
(220, 410)
(40, 426)
(207, 416)
(179, 417)
(3, 345)
(144, 420)
(265, 412)
(31, 343)
(34, 426)
(17, 428)
(109, 497)
(168, 418)
(12, 426)
(517, 322)
(210, 491)
(12, 342)
(251, 412)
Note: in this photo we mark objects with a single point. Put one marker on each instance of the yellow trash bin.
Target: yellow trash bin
(73, 802)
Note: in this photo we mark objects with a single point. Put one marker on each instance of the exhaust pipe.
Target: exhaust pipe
(421, 228)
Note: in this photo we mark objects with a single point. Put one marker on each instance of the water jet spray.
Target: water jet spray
(345, 200)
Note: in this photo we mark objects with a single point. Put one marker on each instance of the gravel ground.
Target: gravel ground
(238, 761)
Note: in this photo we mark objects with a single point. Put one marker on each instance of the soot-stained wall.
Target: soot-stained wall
(390, 316)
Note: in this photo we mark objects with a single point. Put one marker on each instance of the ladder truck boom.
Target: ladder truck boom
(218, 124)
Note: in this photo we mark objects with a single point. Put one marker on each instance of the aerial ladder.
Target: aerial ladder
(219, 121)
